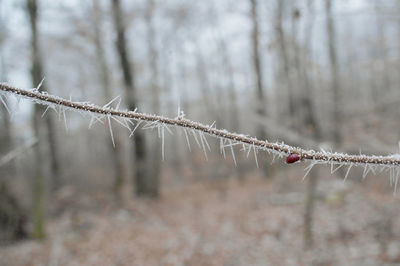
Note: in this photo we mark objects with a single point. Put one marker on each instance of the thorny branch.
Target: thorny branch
(281, 149)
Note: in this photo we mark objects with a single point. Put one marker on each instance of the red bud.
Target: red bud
(292, 158)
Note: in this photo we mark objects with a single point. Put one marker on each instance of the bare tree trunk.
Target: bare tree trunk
(142, 187)
(38, 183)
(5, 139)
(206, 91)
(383, 73)
(183, 78)
(233, 106)
(38, 186)
(260, 98)
(154, 175)
(37, 76)
(260, 109)
(309, 209)
(335, 83)
(306, 104)
(309, 121)
(12, 216)
(286, 78)
(105, 82)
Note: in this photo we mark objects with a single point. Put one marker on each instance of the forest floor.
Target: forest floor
(228, 222)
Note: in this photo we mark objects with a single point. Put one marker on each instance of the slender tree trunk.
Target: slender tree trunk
(383, 73)
(306, 104)
(309, 120)
(140, 176)
(12, 216)
(260, 98)
(37, 76)
(309, 209)
(154, 175)
(40, 132)
(206, 89)
(5, 139)
(260, 108)
(183, 78)
(335, 83)
(233, 106)
(105, 82)
(286, 78)
(38, 182)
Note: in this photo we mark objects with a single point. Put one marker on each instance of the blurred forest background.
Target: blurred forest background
(317, 74)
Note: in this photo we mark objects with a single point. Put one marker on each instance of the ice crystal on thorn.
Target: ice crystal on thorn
(308, 169)
(233, 152)
(137, 125)
(111, 131)
(187, 139)
(5, 104)
(222, 146)
(201, 135)
(65, 120)
(45, 111)
(347, 173)
(255, 155)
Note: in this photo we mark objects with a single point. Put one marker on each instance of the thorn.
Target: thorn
(169, 130)
(129, 121)
(45, 111)
(273, 158)
(5, 104)
(94, 120)
(65, 120)
(222, 147)
(233, 153)
(255, 155)
(40, 84)
(187, 139)
(118, 104)
(202, 144)
(162, 143)
(365, 172)
(308, 169)
(347, 173)
(337, 168)
(111, 132)
(195, 138)
(248, 152)
(137, 125)
(122, 124)
(110, 102)
(206, 142)
(396, 181)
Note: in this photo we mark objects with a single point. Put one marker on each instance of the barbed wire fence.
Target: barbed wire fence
(134, 120)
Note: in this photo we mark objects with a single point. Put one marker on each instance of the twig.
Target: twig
(275, 148)
(16, 152)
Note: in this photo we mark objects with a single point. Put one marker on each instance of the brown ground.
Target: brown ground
(257, 222)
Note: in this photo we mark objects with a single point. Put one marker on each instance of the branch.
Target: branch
(16, 152)
(281, 149)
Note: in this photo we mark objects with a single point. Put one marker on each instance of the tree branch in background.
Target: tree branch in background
(17, 152)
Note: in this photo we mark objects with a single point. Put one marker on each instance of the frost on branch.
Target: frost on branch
(198, 132)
